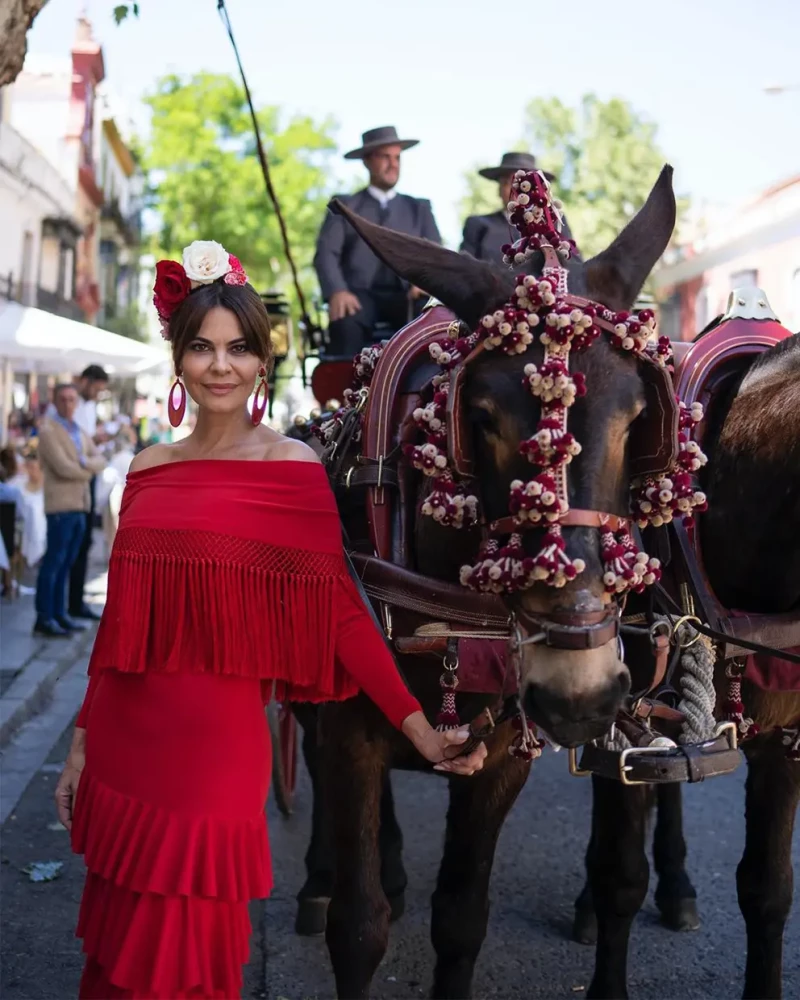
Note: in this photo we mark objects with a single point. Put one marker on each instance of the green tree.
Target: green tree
(605, 156)
(206, 181)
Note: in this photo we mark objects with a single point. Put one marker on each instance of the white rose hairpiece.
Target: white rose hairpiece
(204, 262)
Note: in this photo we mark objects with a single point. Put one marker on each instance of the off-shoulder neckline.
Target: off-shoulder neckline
(260, 463)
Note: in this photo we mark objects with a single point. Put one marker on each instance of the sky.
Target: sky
(457, 75)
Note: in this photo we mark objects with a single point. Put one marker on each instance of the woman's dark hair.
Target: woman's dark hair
(242, 300)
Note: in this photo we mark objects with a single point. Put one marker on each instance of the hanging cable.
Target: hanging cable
(262, 156)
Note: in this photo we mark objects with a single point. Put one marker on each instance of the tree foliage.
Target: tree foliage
(206, 181)
(122, 10)
(606, 158)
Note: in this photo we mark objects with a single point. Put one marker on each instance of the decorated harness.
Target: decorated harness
(663, 459)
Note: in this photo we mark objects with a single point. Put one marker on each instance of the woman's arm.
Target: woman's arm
(362, 652)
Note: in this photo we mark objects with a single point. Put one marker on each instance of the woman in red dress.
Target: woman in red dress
(227, 581)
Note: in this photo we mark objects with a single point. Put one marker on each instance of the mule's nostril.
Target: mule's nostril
(624, 682)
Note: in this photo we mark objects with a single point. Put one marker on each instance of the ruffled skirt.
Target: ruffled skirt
(170, 819)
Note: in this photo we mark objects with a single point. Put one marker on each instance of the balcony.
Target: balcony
(55, 303)
(129, 228)
(40, 298)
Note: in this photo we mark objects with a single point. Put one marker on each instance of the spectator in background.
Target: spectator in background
(34, 521)
(92, 381)
(70, 460)
(10, 503)
(112, 482)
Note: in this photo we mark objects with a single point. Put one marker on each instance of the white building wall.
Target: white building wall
(30, 191)
(41, 109)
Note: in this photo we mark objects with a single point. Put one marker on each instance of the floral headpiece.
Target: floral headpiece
(204, 262)
(565, 325)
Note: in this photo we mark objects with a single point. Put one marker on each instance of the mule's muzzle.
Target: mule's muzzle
(574, 719)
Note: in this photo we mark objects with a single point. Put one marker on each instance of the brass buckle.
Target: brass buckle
(348, 478)
(732, 733)
(574, 768)
(386, 615)
(628, 752)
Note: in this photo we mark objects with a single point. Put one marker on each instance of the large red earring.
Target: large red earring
(261, 397)
(176, 413)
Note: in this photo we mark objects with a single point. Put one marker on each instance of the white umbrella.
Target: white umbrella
(33, 340)
(37, 341)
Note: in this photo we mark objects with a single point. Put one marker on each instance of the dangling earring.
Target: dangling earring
(261, 397)
(176, 413)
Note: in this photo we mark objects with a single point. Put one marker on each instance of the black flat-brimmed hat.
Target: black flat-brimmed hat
(510, 163)
(386, 135)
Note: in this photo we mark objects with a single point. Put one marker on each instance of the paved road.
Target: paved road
(527, 952)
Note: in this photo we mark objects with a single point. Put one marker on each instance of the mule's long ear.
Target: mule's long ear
(469, 287)
(615, 276)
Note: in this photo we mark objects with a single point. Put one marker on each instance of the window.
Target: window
(744, 279)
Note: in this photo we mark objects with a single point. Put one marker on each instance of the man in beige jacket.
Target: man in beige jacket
(69, 460)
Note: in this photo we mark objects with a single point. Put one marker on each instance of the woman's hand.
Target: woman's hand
(442, 748)
(67, 786)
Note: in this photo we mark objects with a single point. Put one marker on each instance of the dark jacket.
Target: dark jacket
(484, 235)
(343, 261)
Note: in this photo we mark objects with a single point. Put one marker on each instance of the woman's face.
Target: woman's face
(217, 367)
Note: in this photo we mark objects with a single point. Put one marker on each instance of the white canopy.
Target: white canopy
(33, 340)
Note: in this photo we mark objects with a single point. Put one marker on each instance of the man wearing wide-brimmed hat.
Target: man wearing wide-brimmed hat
(484, 235)
(359, 289)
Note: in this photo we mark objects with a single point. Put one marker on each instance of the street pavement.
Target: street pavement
(537, 874)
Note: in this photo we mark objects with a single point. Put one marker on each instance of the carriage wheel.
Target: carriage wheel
(283, 730)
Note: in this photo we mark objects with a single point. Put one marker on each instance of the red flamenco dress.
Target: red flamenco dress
(226, 579)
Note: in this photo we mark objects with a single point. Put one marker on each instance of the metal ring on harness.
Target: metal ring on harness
(683, 621)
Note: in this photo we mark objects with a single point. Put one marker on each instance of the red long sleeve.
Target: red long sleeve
(362, 652)
(83, 715)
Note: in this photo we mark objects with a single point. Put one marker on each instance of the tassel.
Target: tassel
(525, 744)
(733, 706)
(791, 740)
(449, 505)
(448, 713)
(552, 565)
(624, 566)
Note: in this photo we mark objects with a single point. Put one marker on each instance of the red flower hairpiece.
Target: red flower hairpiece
(204, 262)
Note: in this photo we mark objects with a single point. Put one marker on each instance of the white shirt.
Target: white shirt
(382, 197)
(86, 416)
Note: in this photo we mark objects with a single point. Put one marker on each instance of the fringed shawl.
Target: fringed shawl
(231, 567)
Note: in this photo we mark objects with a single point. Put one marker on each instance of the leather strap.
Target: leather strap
(368, 475)
(661, 648)
(683, 763)
(572, 519)
(573, 629)
(415, 645)
(435, 599)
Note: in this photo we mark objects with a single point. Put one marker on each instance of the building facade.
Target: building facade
(86, 255)
(756, 245)
(39, 226)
